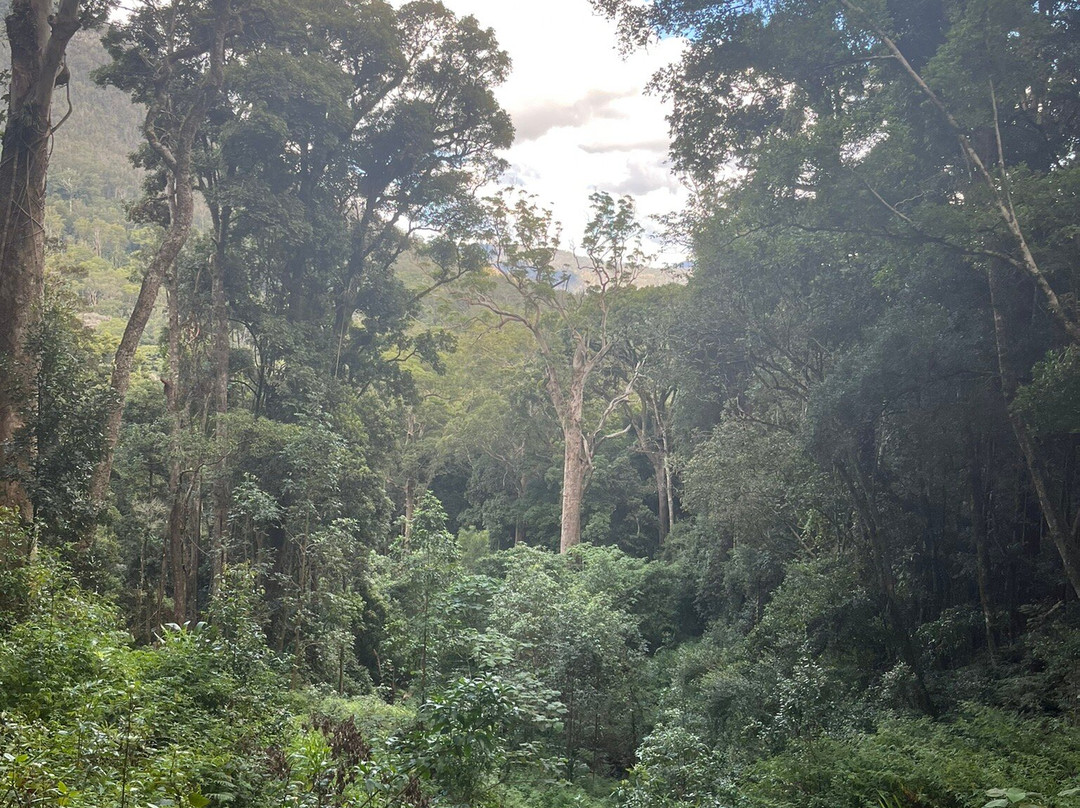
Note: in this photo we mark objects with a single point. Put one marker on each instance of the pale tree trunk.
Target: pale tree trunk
(520, 526)
(669, 480)
(410, 506)
(573, 486)
(663, 500)
(222, 494)
(181, 214)
(574, 489)
(571, 411)
(193, 504)
(38, 41)
(1055, 520)
(176, 155)
(670, 492)
(177, 508)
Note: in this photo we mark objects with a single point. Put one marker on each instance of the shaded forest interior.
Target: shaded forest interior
(330, 479)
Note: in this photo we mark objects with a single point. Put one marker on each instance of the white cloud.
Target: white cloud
(584, 121)
(537, 120)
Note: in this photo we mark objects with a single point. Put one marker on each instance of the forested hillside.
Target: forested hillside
(330, 476)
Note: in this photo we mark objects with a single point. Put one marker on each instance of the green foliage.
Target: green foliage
(422, 569)
(66, 429)
(471, 732)
(905, 763)
(572, 623)
(1049, 402)
(921, 763)
(674, 768)
(859, 539)
(89, 720)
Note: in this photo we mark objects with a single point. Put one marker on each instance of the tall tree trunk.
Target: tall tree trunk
(177, 507)
(38, 41)
(571, 410)
(181, 215)
(1056, 522)
(193, 504)
(669, 482)
(410, 505)
(173, 141)
(659, 465)
(520, 525)
(573, 484)
(222, 494)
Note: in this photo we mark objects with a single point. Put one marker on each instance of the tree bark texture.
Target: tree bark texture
(575, 466)
(663, 503)
(570, 407)
(38, 42)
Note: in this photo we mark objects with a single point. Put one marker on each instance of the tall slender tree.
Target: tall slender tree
(172, 59)
(572, 329)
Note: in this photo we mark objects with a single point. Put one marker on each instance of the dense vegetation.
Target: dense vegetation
(388, 502)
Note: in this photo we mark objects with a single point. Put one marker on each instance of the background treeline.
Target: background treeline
(818, 505)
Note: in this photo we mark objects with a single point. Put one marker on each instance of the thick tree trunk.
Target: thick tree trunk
(22, 289)
(38, 40)
(573, 485)
(410, 506)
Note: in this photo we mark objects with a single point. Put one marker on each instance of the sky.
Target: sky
(584, 121)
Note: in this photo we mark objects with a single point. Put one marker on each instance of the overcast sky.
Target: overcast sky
(583, 120)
